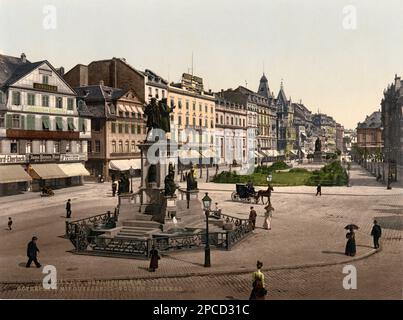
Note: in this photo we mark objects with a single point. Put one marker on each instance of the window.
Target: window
(126, 128)
(70, 104)
(67, 147)
(212, 124)
(1, 97)
(194, 106)
(70, 124)
(16, 98)
(200, 107)
(59, 124)
(113, 127)
(113, 146)
(13, 147)
(28, 147)
(200, 122)
(127, 146)
(138, 129)
(16, 121)
(150, 93)
(180, 104)
(42, 146)
(205, 108)
(45, 101)
(156, 93)
(31, 99)
(56, 147)
(206, 123)
(120, 128)
(2, 121)
(172, 102)
(163, 93)
(194, 121)
(133, 146)
(133, 129)
(82, 125)
(97, 146)
(127, 114)
(179, 120)
(59, 102)
(96, 125)
(187, 121)
(187, 105)
(121, 146)
(45, 79)
(89, 147)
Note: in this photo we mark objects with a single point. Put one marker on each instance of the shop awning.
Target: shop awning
(74, 169)
(124, 165)
(208, 153)
(47, 171)
(189, 154)
(13, 173)
(271, 153)
(257, 154)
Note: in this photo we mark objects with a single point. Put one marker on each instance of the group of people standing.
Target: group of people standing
(351, 248)
(268, 214)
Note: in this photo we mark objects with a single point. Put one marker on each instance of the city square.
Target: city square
(216, 161)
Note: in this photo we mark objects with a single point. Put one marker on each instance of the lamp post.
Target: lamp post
(131, 172)
(207, 206)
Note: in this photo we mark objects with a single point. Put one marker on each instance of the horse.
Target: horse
(264, 193)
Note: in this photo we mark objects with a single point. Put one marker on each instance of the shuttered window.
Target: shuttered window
(30, 122)
(70, 124)
(45, 123)
(81, 125)
(59, 123)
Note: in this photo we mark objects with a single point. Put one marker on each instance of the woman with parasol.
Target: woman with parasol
(350, 246)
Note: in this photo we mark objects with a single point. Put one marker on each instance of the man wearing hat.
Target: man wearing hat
(32, 252)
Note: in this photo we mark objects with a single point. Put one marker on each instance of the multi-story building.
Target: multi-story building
(303, 125)
(193, 119)
(325, 130)
(339, 137)
(392, 122)
(41, 132)
(369, 134)
(286, 133)
(115, 73)
(349, 139)
(155, 86)
(117, 129)
(231, 131)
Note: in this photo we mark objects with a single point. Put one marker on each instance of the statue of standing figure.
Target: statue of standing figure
(170, 185)
(158, 115)
(318, 145)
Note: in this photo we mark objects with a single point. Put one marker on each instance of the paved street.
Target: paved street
(307, 233)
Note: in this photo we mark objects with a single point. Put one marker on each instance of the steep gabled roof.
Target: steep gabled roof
(372, 122)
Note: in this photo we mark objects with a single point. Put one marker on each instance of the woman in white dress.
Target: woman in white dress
(267, 217)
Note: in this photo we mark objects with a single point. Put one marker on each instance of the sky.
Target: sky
(337, 56)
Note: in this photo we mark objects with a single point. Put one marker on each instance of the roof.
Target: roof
(13, 68)
(371, 122)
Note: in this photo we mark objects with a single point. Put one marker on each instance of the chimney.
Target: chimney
(101, 82)
(60, 71)
(23, 58)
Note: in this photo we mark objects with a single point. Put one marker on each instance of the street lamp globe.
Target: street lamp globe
(206, 202)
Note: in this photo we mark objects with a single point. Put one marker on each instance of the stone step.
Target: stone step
(141, 224)
(142, 217)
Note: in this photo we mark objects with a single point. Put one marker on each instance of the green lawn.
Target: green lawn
(279, 179)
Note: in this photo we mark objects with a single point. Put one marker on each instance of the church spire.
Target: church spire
(264, 89)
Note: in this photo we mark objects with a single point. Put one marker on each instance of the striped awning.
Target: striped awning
(74, 169)
(46, 171)
(13, 173)
(124, 165)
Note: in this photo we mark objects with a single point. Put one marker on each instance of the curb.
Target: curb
(206, 274)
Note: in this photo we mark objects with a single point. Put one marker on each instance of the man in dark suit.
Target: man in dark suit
(68, 209)
(32, 252)
(376, 233)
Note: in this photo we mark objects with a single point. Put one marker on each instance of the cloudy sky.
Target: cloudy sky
(326, 60)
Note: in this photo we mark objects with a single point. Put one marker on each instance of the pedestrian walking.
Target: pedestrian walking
(252, 217)
(376, 233)
(350, 245)
(68, 209)
(258, 284)
(154, 259)
(114, 188)
(267, 217)
(10, 223)
(319, 190)
(32, 253)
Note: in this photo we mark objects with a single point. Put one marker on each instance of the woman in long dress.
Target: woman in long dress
(350, 246)
(258, 285)
(267, 217)
(154, 259)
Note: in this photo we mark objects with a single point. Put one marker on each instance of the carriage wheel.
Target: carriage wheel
(233, 196)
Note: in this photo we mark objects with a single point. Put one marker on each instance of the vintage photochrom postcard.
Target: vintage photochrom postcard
(206, 153)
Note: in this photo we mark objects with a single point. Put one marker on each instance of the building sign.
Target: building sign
(43, 157)
(13, 158)
(45, 87)
(73, 157)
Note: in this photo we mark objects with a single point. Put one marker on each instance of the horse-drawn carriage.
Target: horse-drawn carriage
(47, 192)
(247, 194)
(244, 193)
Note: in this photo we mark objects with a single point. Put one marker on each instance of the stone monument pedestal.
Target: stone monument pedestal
(317, 157)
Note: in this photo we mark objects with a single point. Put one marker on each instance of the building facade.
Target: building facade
(325, 130)
(339, 137)
(231, 131)
(118, 127)
(392, 122)
(40, 127)
(303, 126)
(369, 134)
(286, 133)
